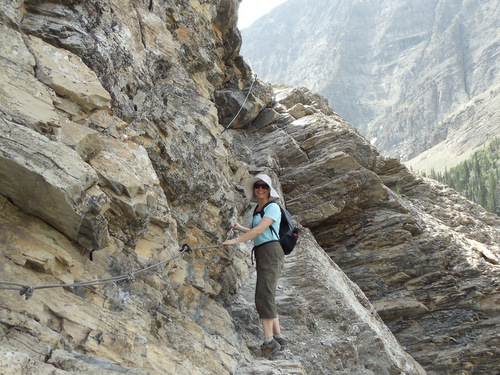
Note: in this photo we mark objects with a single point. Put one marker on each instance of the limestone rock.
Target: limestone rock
(68, 76)
(117, 326)
(85, 141)
(23, 98)
(235, 110)
(299, 110)
(142, 182)
(423, 255)
(128, 177)
(290, 96)
(265, 117)
(52, 182)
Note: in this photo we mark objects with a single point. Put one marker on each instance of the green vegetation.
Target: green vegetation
(313, 326)
(476, 178)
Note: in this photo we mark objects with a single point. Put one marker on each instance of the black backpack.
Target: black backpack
(288, 233)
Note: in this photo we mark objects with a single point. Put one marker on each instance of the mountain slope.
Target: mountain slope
(411, 76)
(119, 182)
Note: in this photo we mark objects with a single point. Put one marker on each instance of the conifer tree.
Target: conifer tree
(476, 178)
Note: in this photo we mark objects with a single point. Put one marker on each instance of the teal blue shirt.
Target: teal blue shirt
(272, 211)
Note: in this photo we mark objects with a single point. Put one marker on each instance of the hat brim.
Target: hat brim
(248, 189)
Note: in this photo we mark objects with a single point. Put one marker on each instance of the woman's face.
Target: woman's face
(261, 190)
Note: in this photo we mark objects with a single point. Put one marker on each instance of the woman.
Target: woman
(269, 257)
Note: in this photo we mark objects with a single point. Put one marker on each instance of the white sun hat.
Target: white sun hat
(249, 187)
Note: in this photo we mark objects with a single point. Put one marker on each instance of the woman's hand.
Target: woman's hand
(234, 241)
(238, 227)
(248, 234)
(229, 242)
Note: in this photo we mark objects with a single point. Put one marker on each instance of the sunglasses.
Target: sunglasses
(263, 186)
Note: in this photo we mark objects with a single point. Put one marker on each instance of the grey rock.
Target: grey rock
(51, 181)
(421, 253)
(412, 77)
(168, 179)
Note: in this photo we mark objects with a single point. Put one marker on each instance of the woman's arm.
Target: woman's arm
(251, 233)
(240, 228)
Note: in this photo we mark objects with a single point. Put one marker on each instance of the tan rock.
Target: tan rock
(51, 181)
(23, 98)
(85, 141)
(289, 96)
(156, 35)
(167, 176)
(68, 76)
(125, 170)
(299, 110)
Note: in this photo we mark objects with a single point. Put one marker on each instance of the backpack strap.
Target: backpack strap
(272, 230)
(261, 212)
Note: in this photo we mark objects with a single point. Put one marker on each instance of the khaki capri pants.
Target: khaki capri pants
(269, 258)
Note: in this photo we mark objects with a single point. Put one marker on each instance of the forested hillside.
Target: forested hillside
(476, 178)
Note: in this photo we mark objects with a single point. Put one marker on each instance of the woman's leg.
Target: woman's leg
(271, 327)
(269, 259)
(276, 325)
(268, 326)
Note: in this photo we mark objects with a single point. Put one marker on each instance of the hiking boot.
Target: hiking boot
(281, 341)
(268, 350)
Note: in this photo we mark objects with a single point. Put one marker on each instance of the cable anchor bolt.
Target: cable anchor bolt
(186, 248)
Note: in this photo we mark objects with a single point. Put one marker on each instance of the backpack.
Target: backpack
(288, 233)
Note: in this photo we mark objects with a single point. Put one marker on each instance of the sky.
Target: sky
(251, 10)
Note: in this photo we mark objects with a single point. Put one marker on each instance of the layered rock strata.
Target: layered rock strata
(418, 79)
(113, 159)
(426, 258)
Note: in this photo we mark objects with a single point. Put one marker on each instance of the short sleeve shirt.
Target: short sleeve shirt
(272, 211)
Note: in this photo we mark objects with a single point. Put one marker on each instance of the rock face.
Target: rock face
(414, 78)
(420, 252)
(118, 183)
